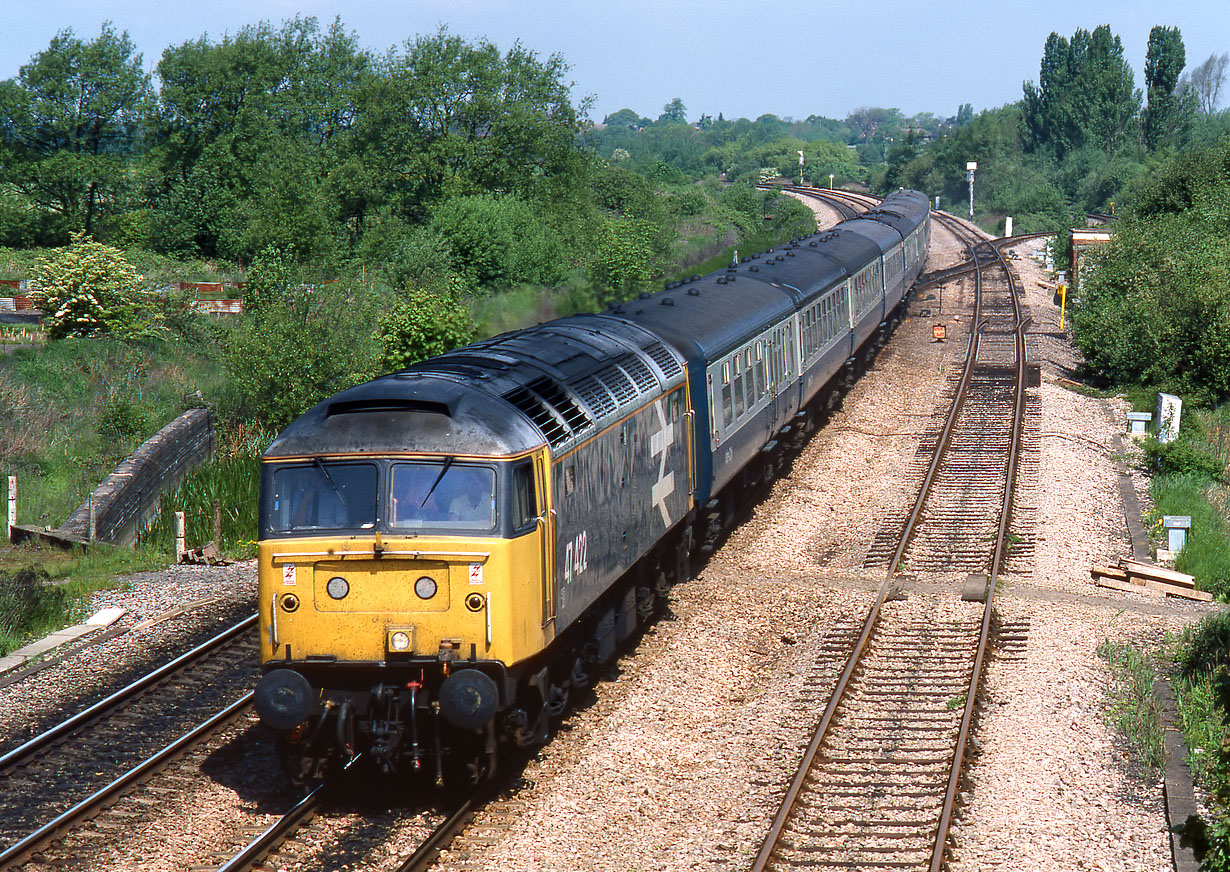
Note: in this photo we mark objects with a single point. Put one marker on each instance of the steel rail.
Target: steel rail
(277, 833)
(100, 709)
(427, 853)
(785, 811)
(21, 851)
(984, 634)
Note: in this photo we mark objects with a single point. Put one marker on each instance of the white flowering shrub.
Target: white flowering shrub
(87, 287)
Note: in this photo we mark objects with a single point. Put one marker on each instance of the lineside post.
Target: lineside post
(12, 522)
(179, 537)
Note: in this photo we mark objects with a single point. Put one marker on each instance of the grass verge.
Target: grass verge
(1134, 713)
(1206, 554)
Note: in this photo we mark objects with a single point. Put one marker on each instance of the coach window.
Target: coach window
(728, 410)
(762, 385)
(738, 385)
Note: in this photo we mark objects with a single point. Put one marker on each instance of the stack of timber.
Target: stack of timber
(1139, 577)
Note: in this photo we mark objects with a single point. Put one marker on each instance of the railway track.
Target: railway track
(847, 203)
(440, 830)
(67, 774)
(878, 783)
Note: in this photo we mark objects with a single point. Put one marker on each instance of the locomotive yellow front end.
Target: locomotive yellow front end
(403, 585)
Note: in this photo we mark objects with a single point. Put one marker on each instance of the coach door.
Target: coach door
(781, 374)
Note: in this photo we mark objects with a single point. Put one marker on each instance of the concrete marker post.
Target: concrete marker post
(12, 507)
(179, 537)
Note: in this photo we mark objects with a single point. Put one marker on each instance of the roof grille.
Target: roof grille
(574, 416)
(540, 413)
(664, 359)
(644, 379)
(551, 409)
(618, 383)
(595, 395)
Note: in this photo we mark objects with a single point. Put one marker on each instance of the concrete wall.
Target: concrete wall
(130, 494)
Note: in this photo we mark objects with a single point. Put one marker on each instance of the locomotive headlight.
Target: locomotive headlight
(425, 587)
(399, 640)
(337, 587)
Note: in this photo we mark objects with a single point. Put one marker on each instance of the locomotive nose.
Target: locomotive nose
(284, 699)
(468, 699)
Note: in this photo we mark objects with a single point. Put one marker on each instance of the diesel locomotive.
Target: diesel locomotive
(448, 552)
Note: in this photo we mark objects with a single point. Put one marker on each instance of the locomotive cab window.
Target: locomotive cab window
(442, 496)
(322, 495)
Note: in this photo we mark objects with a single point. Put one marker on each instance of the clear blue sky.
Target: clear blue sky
(739, 57)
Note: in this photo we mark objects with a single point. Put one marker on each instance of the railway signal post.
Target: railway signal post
(970, 168)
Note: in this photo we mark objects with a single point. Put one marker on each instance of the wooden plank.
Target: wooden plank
(1158, 573)
(1127, 587)
(1108, 572)
(1177, 590)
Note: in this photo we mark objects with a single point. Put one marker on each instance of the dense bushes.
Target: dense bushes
(1157, 308)
(421, 324)
(87, 288)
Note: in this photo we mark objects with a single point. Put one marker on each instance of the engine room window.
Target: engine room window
(442, 495)
(728, 411)
(322, 496)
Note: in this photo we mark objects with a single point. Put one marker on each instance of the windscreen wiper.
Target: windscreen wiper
(329, 479)
(448, 461)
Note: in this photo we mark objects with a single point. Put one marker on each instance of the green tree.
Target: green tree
(304, 348)
(625, 118)
(271, 280)
(445, 118)
(422, 324)
(674, 112)
(627, 256)
(71, 119)
(1085, 94)
(88, 287)
(1156, 311)
(246, 140)
(499, 242)
(1164, 62)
